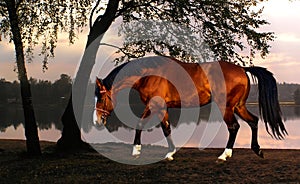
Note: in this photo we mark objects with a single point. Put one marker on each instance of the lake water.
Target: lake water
(187, 133)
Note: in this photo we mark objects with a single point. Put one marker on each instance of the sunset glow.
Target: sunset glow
(282, 15)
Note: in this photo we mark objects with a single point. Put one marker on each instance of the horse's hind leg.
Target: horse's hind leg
(233, 127)
(166, 127)
(252, 122)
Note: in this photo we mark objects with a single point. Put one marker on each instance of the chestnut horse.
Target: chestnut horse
(224, 83)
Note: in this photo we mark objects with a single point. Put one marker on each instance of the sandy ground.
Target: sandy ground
(191, 165)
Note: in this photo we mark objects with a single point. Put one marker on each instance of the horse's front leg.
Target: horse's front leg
(166, 127)
(137, 146)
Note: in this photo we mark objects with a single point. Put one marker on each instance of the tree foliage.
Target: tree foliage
(44, 91)
(41, 22)
(226, 27)
(9, 91)
(297, 96)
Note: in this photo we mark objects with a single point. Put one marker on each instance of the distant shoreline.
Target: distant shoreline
(286, 103)
(20, 145)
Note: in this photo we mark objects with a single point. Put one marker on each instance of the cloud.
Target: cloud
(284, 9)
(284, 66)
(285, 37)
(283, 59)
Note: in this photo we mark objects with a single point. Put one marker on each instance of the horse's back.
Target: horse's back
(192, 84)
(231, 86)
(223, 82)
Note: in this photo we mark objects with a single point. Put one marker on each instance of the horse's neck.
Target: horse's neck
(127, 82)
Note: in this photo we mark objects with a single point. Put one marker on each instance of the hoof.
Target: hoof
(169, 158)
(226, 154)
(220, 161)
(260, 154)
(136, 151)
(169, 155)
(257, 151)
(136, 156)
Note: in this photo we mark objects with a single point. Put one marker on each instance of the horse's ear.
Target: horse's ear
(99, 82)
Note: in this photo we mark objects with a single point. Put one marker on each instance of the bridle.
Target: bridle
(105, 113)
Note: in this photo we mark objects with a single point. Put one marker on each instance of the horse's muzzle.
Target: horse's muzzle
(98, 120)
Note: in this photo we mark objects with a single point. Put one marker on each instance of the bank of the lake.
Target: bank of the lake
(191, 165)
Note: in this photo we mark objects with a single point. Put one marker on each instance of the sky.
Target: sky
(283, 61)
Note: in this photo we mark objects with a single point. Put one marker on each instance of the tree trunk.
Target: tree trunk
(72, 117)
(71, 136)
(31, 132)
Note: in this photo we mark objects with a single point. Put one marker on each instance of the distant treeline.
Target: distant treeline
(43, 91)
(47, 92)
(286, 93)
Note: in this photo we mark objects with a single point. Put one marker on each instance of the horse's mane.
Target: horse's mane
(132, 68)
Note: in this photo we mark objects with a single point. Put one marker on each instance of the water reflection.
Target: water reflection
(297, 111)
(48, 118)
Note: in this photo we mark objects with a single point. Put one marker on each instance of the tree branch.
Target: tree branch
(131, 6)
(103, 22)
(92, 13)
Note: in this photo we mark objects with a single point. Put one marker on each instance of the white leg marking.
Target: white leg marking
(96, 99)
(136, 150)
(169, 155)
(226, 154)
(95, 119)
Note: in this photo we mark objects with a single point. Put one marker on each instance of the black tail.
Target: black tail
(268, 101)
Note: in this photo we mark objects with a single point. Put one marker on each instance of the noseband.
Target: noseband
(105, 113)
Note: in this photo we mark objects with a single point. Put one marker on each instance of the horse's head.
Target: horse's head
(103, 102)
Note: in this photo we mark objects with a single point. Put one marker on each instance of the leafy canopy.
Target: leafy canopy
(42, 21)
(224, 26)
(227, 27)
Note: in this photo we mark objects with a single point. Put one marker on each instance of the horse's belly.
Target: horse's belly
(189, 101)
(196, 101)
